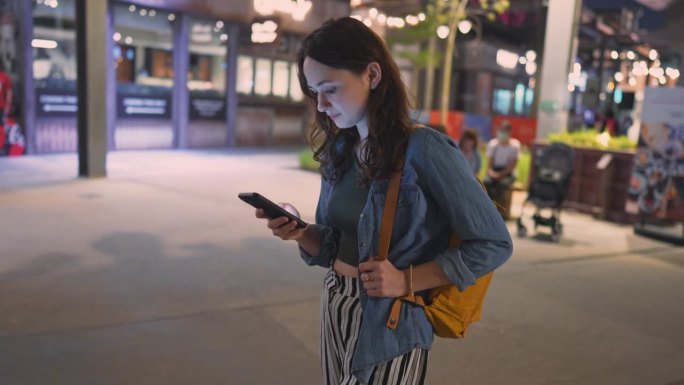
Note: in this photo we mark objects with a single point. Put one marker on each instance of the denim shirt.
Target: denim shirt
(438, 193)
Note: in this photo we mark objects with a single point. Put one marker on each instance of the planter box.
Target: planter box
(599, 184)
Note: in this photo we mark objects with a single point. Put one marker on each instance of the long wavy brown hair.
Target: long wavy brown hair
(347, 43)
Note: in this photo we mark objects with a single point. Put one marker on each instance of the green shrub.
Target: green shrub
(307, 162)
(592, 139)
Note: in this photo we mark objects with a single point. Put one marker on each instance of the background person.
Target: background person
(362, 128)
(609, 123)
(5, 94)
(469, 145)
(502, 154)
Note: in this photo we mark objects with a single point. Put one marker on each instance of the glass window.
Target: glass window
(266, 77)
(54, 41)
(245, 75)
(54, 58)
(144, 46)
(519, 105)
(207, 47)
(295, 89)
(281, 78)
(502, 101)
(262, 79)
(143, 56)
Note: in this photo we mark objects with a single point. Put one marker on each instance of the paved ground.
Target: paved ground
(158, 274)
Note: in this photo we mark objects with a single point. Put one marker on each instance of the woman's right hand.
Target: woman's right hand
(283, 227)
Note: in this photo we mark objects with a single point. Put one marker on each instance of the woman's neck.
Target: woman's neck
(362, 128)
(358, 149)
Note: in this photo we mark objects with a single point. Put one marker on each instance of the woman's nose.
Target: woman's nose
(321, 102)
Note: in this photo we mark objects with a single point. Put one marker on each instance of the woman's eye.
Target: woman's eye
(331, 91)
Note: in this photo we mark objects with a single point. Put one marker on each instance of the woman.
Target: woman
(469, 147)
(362, 127)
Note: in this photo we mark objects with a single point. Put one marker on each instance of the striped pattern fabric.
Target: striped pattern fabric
(340, 323)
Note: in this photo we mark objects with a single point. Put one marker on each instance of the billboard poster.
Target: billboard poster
(143, 106)
(207, 107)
(56, 102)
(656, 187)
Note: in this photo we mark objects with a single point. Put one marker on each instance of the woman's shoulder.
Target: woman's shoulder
(423, 135)
(426, 142)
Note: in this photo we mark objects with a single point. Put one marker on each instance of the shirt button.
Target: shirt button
(361, 216)
(363, 244)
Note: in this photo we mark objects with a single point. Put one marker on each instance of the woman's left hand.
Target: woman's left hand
(382, 279)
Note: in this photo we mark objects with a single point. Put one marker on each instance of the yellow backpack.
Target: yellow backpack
(450, 311)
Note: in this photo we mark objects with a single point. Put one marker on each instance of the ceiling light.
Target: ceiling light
(43, 43)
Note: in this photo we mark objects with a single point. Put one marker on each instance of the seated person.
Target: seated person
(502, 152)
(469, 147)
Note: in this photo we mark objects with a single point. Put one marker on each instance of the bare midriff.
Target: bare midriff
(345, 269)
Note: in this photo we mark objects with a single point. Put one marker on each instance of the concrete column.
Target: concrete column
(92, 41)
(231, 80)
(181, 95)
(28, 100)
(562, 20)
(111, 80)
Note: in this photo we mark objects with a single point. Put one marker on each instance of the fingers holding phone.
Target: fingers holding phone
(270, 209)
(283, 227)
(283, 219)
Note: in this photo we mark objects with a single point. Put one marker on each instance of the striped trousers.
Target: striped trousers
(340, 322)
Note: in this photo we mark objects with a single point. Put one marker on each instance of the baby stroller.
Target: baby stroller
(554, 169)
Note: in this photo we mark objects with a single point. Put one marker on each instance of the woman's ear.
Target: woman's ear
(374, 74)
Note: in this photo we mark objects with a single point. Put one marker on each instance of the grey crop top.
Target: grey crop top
(347, 201)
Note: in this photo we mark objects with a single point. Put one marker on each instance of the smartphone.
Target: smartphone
(271, 209)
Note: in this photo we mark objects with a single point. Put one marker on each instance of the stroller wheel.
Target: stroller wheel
(556, 237)
(557, 228)
(522, 231)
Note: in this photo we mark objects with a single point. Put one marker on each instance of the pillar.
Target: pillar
(560, 49)
(94, 46)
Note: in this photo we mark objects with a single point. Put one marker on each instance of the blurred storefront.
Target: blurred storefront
(240, 87)
(12, 141)
(621, 53)
(495, 82)
(494, 73)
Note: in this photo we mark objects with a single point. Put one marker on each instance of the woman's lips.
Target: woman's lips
(333, 117)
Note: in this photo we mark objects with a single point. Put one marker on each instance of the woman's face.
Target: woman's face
(341, 94)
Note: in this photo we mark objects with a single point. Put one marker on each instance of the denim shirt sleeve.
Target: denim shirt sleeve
(486, 243)
(330, 237)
